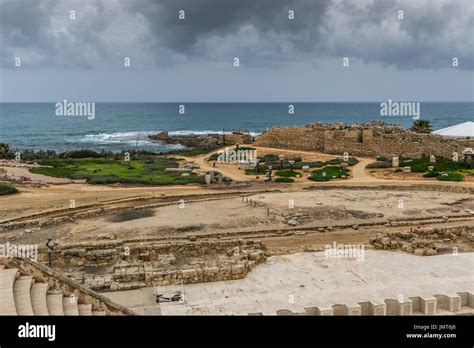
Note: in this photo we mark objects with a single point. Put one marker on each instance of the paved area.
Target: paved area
(294, 282)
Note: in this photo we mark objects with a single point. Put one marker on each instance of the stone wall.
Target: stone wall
(370, 140)
(121, 266)
(427, 241)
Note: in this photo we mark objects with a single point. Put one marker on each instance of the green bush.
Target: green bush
(296, 158)
(431, 174)
(286, 173)
(213, 157)
(270, 157)
(337, 172)
(285, 179)
(316, 164)
(351, 161)
(81, 154)
(377, 165)
(7, 189)
(419, 167)
(452, 176)
(448, 166)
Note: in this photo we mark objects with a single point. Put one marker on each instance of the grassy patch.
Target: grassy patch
(7, 189)
(148, 170)
(193, 153)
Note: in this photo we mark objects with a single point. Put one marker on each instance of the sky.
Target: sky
(404, 50)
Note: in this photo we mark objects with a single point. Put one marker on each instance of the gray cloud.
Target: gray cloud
(257, 31)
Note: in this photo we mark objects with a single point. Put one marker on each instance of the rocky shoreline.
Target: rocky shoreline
(201, 141)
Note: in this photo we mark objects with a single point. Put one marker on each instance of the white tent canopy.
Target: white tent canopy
(465, 129)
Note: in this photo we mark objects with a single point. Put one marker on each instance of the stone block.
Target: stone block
(450, 302)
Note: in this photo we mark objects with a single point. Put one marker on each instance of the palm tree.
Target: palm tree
(421, 126)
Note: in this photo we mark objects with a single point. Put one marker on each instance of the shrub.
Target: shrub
(448, 166)
(286, 173)
(284, 180)
(376, 165)
(213, 157)
(351, 161)
(316, 164)
(81, 154)
(296, 158)
(270, 157)
(419, 167)
(7, 189)
(452, 176)
(317, 175)
(431, 174)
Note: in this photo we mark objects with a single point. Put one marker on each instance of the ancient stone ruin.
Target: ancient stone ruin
(370, 140)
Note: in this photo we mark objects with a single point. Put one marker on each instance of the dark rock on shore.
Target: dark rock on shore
(201, 141)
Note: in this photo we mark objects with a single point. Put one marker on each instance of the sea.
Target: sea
(124, 126)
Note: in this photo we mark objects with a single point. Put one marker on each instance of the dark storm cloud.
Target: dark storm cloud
(430, 35)
(24, 25)
(205, 18)
(42, 34)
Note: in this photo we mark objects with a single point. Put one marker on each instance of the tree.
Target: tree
(4, 150)
(421, 126)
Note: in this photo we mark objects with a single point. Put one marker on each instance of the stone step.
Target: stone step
(85, 309)
(38, 298)
(373, 308)
(54, 301)
(467, 299)
(347, 309)
(99, 313)
(70, 306)
(397, 307)
(451, 302)
(22, 294)
(7, 298)
(426, 305)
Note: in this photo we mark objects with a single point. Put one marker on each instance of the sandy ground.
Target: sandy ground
(226, 215)
(16, 173)
(305, 280)
(36, 200)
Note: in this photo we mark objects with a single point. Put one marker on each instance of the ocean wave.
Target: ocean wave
(139, 138)
(205, 132)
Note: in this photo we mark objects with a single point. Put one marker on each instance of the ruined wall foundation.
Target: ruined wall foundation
(369, 140)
